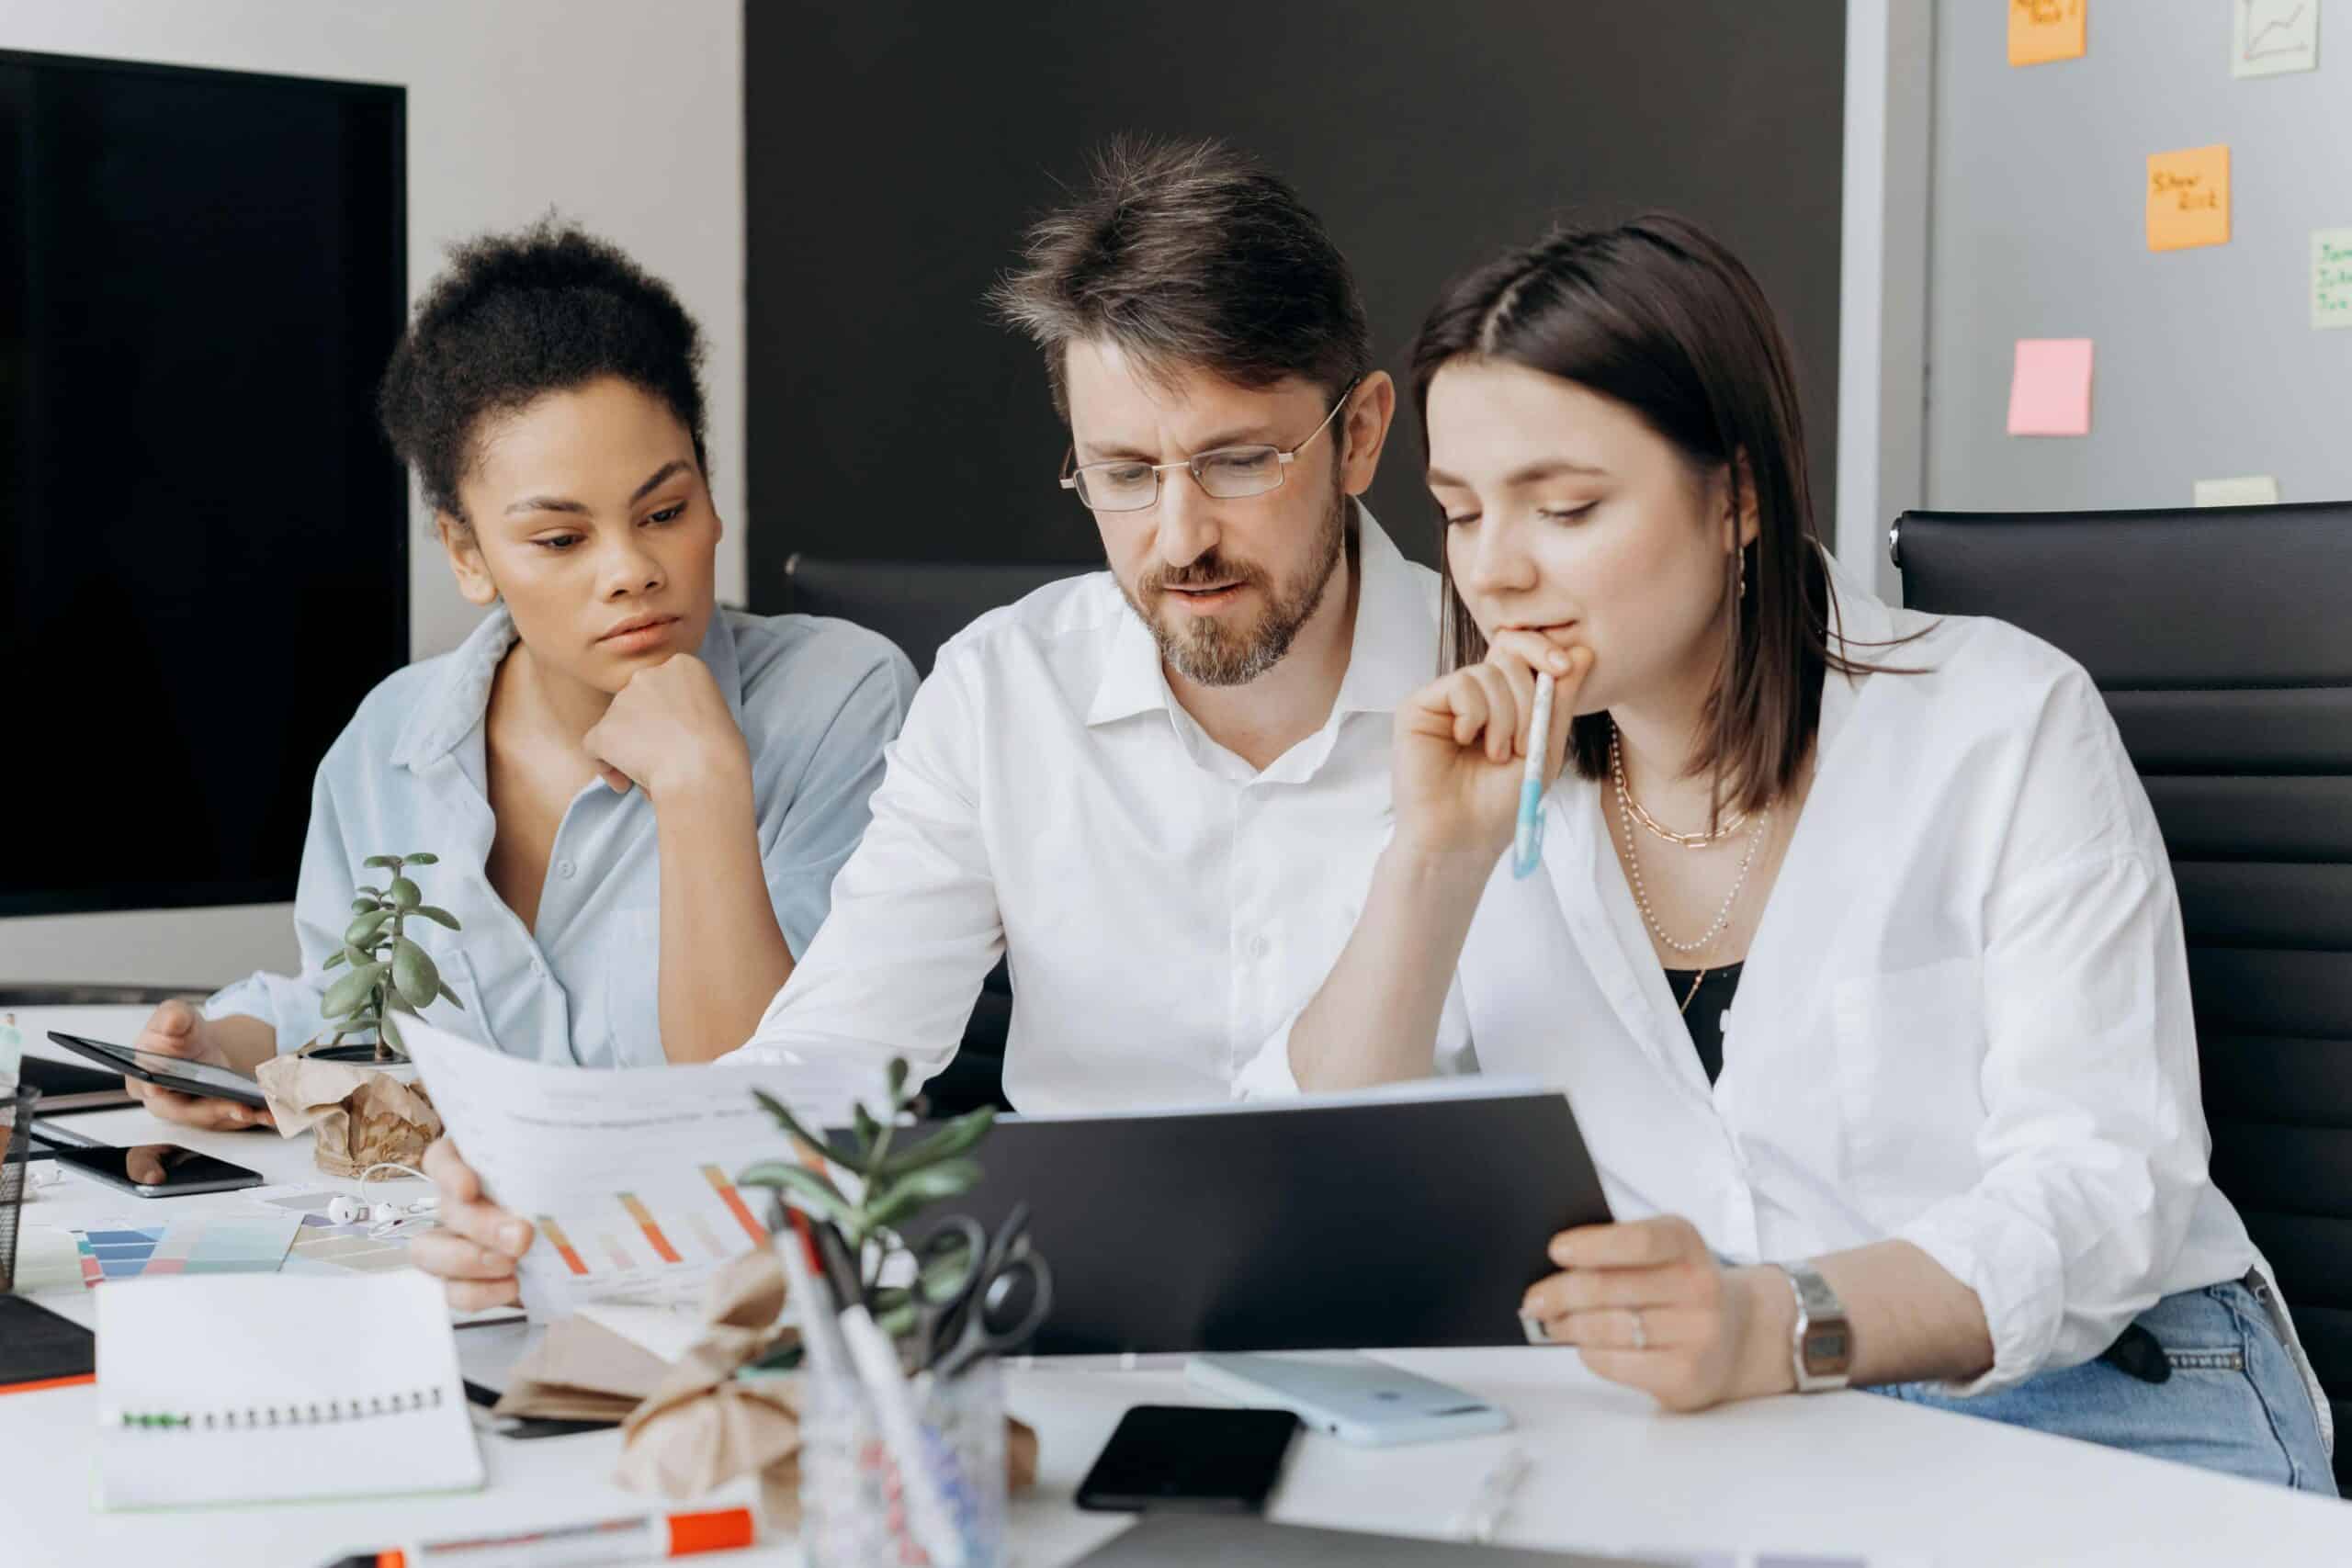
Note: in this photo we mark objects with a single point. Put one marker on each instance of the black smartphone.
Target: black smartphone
(158, 1170)
(1185, 1458)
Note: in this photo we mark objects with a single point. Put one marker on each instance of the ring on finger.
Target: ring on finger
(1641, 1333)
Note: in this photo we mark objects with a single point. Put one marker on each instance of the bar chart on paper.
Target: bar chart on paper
(664, 1234)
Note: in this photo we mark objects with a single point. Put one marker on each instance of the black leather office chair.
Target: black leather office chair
(2222, 639)
(919, 605)
(916, 605)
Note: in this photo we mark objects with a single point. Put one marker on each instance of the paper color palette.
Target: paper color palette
(2044, 30)
(324, 1246)
(216, 1246)
(2050, 391)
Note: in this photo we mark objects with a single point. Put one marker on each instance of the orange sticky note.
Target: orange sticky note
(2044, 30)
(2189, 197)
(2050, 391)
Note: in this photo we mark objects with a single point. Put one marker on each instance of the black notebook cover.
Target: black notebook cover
(37, 1345)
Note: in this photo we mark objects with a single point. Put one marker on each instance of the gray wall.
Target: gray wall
(2206, 366)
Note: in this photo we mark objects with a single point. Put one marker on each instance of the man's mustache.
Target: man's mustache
(1203, 573)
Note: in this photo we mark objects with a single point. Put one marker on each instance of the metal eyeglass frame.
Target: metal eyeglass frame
(1192, 465)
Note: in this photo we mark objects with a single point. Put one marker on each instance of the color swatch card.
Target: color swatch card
(2332, 278)
(2050, 389)
(214, 1244)
(2044, 30)
(2268, 36)
(322, 1246)
(2189, 197)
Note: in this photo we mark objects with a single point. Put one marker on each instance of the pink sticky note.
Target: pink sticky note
(2049, 393)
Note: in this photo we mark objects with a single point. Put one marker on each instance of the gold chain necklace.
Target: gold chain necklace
(1723, 828)
(1633, 863)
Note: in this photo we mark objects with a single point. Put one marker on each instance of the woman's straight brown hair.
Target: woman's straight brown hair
(1659, 316)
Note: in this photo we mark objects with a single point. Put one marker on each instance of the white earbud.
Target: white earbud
(346, 1210)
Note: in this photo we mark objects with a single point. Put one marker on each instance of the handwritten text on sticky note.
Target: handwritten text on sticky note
(2189, 197)
(2044, 30)
(2332, 278)
(2050, 391)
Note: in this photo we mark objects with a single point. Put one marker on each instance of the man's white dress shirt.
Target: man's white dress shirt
(1164, 906)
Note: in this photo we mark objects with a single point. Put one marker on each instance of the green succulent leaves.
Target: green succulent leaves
(385, 969)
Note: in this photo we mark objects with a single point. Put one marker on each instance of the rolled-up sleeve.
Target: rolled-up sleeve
(324, 892)
(1267, 1074)
(2093, 1144)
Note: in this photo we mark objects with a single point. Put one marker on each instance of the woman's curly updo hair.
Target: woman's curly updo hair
(515, 317)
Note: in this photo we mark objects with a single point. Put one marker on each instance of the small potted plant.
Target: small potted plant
(849, 1478)
(389, 973)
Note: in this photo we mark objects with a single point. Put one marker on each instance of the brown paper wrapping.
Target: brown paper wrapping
(581, 1370)
(364, 1117)
(703, 1428)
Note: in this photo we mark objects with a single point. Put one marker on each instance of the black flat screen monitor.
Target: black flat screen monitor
(203, 537)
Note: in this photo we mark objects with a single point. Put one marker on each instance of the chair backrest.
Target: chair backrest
(916, 605)
(2222, 639)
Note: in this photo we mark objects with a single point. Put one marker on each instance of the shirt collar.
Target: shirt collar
(1392, 654)
(458, 696)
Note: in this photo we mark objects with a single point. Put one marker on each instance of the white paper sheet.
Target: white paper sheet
(626, 1174)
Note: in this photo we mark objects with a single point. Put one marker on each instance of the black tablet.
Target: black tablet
(200, 1079)
(1343, 1222)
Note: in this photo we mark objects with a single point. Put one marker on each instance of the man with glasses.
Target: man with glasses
(1159, 790)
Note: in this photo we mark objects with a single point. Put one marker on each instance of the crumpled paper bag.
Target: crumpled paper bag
(701, 1428)
(364, 1117)
(582, 1371)
(704, 1427)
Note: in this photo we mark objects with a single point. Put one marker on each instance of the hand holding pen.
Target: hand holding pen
(1471, 760)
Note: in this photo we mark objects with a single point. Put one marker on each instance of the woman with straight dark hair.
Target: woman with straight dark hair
(1851, 936)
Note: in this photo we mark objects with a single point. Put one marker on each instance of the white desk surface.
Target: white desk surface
(1851, 1472)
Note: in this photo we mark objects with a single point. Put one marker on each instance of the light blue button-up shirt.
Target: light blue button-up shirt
(817, 701)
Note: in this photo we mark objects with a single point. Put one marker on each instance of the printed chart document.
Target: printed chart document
(626, 1174)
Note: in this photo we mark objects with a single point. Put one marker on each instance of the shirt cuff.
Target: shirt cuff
(1267, 1076)
(2018, 1275)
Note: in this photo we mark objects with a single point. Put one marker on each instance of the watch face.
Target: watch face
(1826, 1348)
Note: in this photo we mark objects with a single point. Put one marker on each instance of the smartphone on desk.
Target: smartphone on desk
(1188, 1459)
(1351, 1397)
(158, 1170)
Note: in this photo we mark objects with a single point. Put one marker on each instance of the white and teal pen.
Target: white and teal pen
(1527, 844)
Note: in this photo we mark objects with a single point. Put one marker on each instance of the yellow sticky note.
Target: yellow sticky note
(2189, 197)
(2044, 30)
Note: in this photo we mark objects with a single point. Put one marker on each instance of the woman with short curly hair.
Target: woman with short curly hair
(639, 799)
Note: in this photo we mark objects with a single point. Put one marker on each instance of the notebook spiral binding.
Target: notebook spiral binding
(315, 1413)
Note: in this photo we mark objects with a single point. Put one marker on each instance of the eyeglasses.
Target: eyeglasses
(1228, 473)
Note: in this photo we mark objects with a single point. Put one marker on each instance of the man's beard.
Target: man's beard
(1210, 652)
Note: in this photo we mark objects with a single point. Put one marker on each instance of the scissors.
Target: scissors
(998, 1304)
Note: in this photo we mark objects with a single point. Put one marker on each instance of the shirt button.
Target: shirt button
(538, 968)
(563, 868)
(1260, 946)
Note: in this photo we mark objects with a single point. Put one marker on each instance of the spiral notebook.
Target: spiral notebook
(257, 1388)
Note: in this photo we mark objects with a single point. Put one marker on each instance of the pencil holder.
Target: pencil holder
(854, 1510)
(15, 1143)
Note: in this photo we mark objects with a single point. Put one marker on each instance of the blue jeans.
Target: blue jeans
(2235, 1401)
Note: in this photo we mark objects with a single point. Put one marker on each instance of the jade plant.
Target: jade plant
(389, 973)
(894, 1185)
